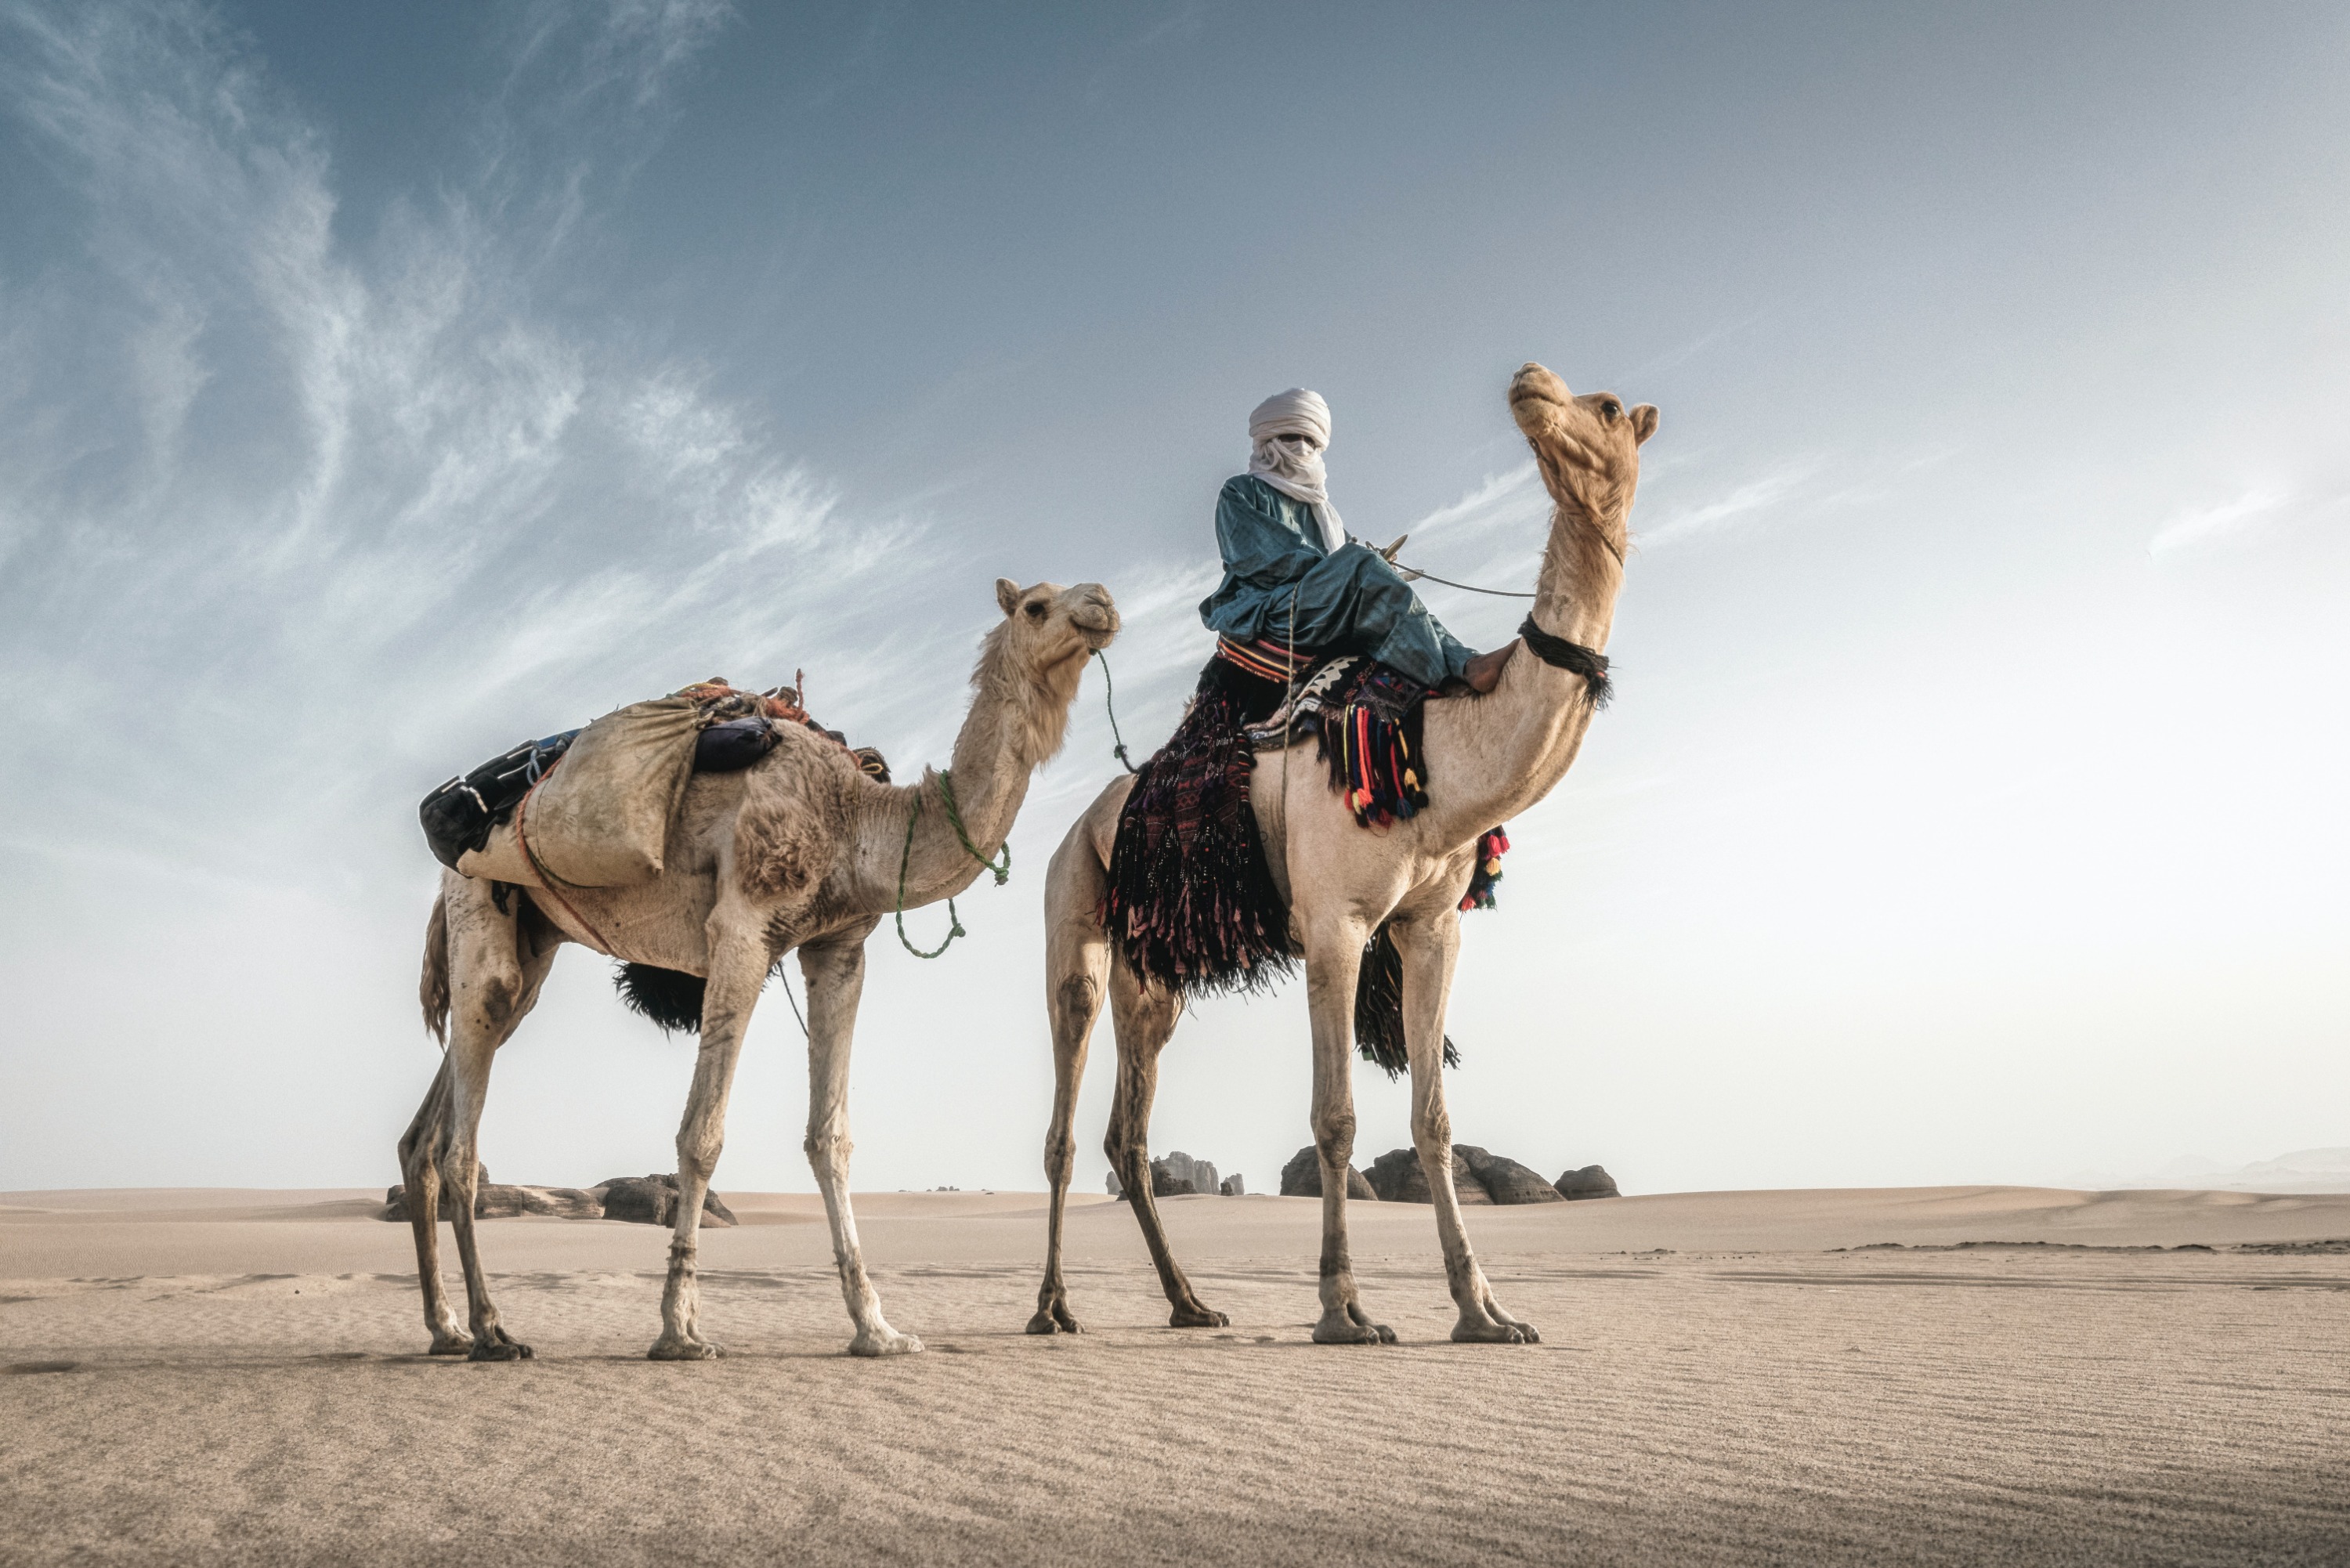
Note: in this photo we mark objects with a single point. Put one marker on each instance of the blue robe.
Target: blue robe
(1347, 601)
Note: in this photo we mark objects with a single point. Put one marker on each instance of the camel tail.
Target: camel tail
(433, 989)
(1379, 1008)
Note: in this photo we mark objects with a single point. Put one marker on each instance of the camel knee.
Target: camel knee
(1431, 1131)
(1060, 1156)
(697, 1153)
(1334, 1137)
(1074, 1007)
(828, 1148)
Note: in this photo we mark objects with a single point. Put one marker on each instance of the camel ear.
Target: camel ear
(1007, 594)
(1644, 422)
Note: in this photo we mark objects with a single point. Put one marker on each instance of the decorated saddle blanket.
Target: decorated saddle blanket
(1192, 906)
(628, 776)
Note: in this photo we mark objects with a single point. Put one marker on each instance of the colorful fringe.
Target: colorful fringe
(1192, 905)
(1492, 845)
(1370, 733)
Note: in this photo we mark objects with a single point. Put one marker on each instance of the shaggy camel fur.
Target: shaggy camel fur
(1489, 758)
(801, 851)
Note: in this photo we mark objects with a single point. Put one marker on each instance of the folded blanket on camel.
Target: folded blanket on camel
(1192, 905)
(603, 819)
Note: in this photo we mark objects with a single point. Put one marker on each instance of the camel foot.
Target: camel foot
(446, 1343)
(1351, 1326)
(1486, 1331)
(495, 1344)
(682, 1347)
(887, 1341)
(1197, 1316)
(1055, 1317)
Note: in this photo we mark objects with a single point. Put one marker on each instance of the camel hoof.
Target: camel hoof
(1487, 1332)
(1339, 1328)
(890, 1343)
(1055, 1319)
(451, 1344)
(671, 1349)
(1197, 1317)
(497, 1344)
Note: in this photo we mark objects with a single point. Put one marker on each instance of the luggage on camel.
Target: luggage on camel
(458, 816)
(601, 819)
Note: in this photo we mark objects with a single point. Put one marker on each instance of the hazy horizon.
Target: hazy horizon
(378, 387)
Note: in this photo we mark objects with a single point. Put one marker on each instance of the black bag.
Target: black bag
(735, 745)
(458, 816)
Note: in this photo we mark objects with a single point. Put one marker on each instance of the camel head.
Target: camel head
(1588, 448)
(1037, 656)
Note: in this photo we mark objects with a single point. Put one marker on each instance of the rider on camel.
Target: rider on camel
(1287, 555)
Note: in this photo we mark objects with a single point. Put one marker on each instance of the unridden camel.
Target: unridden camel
(800, 852)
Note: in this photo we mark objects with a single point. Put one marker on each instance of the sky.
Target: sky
(381, 386)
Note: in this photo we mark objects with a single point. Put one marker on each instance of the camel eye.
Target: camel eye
(1036, 610)
(1611, 410)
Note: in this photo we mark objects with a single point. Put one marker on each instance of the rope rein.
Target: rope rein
(1414, 575)
(1110, 704)
(906, 860)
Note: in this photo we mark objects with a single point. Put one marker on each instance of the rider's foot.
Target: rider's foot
(1484, 671)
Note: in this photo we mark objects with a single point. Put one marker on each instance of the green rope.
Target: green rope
(906, 860)
(1109, 703)
(954, 817)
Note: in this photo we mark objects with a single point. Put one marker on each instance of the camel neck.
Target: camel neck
(1491, 757)
(1582, 573)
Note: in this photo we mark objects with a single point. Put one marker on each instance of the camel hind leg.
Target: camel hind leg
(1076, 971)
(1144, 1020)
(421, 1149)
(494, 968)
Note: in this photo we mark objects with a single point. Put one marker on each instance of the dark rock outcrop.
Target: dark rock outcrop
(652, 1201)
(1177, 1176)
(1504, 1180)
(1397, 1177)
(1301, 1178)
(492, 1202)
(1591, 1181)
(1233, 1186)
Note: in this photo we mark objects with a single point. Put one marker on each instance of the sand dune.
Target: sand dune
(245, 1387)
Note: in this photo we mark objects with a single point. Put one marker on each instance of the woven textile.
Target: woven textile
(1192, 905)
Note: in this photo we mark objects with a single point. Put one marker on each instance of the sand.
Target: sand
(240, 1383)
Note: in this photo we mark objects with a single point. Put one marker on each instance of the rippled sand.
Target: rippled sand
(207, 1377)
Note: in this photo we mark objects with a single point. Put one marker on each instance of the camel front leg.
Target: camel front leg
(1143, 1018)
(1430, 949)
(739, 958)
(1076, 964)
(1334, 955)
(835, 972)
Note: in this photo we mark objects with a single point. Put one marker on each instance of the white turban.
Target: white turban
(1301, 477)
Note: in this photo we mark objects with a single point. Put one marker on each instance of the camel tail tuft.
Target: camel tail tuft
(433, 990)
(1379, 1008)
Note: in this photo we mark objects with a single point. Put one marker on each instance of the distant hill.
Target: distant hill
(2303, 1170)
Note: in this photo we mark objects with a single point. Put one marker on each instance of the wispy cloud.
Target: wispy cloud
(2214, 524)
(371, 504)
(1749, 501)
